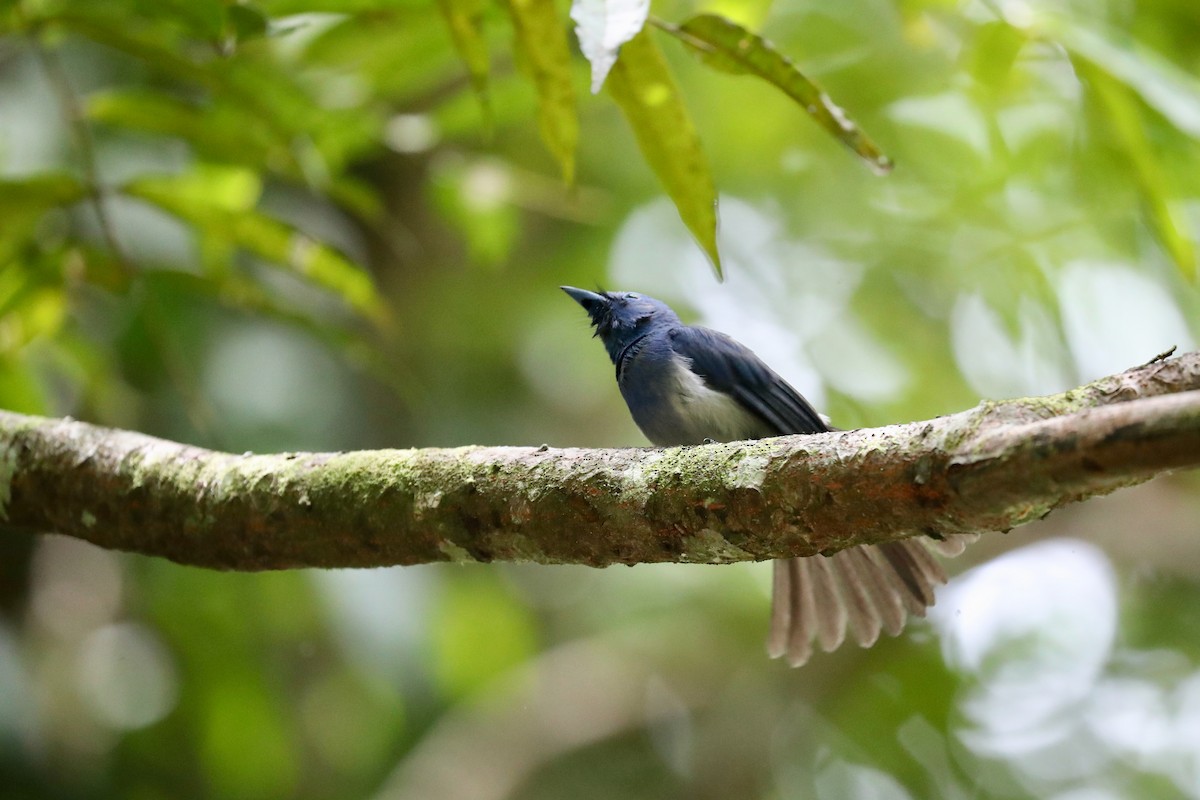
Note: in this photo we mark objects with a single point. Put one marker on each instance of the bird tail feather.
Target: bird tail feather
(864, 590)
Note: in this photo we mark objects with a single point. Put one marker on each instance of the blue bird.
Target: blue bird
(685, 385)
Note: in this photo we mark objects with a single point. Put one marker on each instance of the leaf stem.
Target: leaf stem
(85, 145)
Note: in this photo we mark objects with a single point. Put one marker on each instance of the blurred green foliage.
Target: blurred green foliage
(287, 225)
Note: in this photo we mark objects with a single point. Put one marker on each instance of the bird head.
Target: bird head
(621, 317)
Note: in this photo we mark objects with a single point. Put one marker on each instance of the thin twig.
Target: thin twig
(85, 145)
(1163, 356)
(198, 411)
(180, 371)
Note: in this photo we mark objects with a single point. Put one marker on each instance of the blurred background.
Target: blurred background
(290, 225)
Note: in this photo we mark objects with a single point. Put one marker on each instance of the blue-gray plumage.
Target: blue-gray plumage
(686, 384)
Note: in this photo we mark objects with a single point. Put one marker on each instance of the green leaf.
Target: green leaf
(34, 195)
(602, 27)
(246, 22)
(216, 131)
(24, 203)
(727, 46)
(200, 18)
(465, 20)
(1163, 86)
(1118, 75)
(221, 132)
(1124, 116)
(355, 344)
(32, 303)
(642, 86)
(222, 187)
(457, 117)
(223, 217)
(307, 139)
(541, 46)
(996, 47)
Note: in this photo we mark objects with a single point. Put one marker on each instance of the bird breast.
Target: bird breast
(684, 410)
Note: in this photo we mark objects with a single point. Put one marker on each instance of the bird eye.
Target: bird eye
(633, 296)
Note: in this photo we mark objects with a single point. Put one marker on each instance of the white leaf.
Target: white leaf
(602, 27)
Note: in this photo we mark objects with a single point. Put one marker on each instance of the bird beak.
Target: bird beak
(590, 301)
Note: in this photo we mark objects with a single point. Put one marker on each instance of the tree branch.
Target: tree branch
(993, 467)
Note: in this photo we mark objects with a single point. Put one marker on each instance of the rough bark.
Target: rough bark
(993, 467)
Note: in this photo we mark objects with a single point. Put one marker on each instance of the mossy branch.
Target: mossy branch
(993, 467)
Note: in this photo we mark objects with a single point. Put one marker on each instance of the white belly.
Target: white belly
(689, 412)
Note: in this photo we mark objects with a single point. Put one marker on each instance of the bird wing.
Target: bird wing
(730, 367)
(865, 590)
